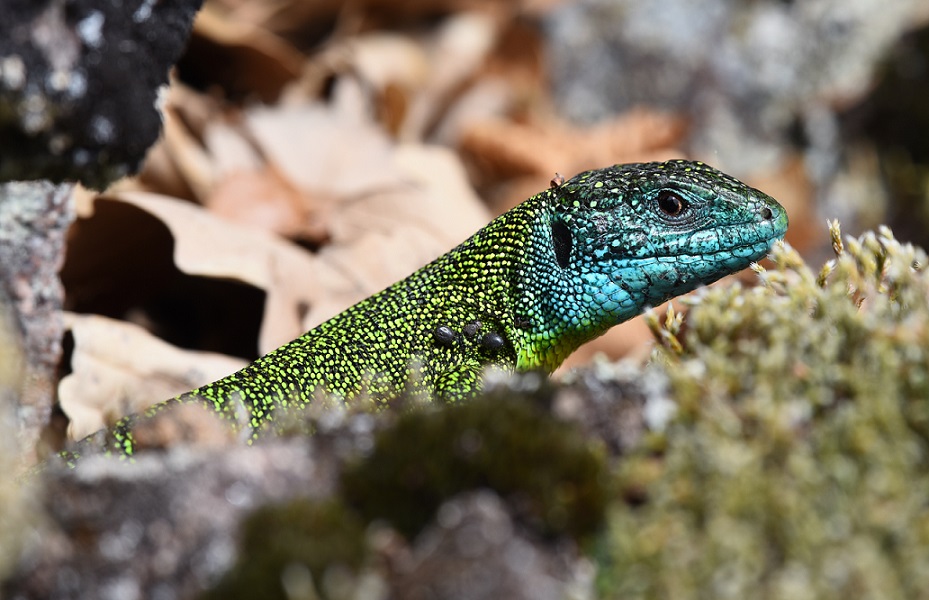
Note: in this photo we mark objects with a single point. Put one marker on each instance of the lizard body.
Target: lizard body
(522, 293)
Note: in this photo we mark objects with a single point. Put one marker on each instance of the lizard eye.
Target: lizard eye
(671, 204)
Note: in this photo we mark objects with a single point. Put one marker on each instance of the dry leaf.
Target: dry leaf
(229, 150)
(384, 237)
(488, 100)
(209, 246)
(791, 185)
(513, 149)
(248, 59)
(189, 157)
(322, 149)
(119, 368)
(262, 199)
(377, 239)
(382, 59)
(462, 45)
(501, 151)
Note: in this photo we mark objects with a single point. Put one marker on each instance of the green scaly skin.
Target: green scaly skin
(522, 293)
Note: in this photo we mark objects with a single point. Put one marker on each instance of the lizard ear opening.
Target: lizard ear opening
(562, 242)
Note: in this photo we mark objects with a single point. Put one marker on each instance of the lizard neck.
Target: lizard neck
(549, 332)
(508, 278)
(552, 305)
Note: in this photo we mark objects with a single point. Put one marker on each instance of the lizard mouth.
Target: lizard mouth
(723, 258)
(750, 240)
(752, 237)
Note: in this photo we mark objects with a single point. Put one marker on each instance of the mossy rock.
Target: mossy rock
(294, 550)
(553, 479)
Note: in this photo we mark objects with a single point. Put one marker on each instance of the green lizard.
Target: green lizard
(522, 293)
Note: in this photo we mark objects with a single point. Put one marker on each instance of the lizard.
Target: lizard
(522, 293)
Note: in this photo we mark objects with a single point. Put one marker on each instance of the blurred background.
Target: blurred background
(314, 152)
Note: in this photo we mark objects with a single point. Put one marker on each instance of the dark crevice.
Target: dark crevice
(120, 265)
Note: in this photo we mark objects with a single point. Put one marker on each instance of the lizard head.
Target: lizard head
(621, 239)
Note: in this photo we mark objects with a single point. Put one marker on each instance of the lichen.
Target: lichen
(553, 479)
(797, 464)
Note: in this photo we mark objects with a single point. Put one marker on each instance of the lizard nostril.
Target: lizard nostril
(766, 214)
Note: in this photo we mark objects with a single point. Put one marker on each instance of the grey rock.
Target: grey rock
(34, 221)
(162, 527)
(475, 552)
(750, 73)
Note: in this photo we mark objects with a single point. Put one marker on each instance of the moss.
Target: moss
(550, 475)
(798, 464)
(301, 549)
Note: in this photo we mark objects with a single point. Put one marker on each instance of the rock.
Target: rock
(79, 83)
(163, 527)
(34, 220)
(475, 551)
(752, 75)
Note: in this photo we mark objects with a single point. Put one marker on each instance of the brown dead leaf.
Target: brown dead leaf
(324, 149)
(188, 156)
(229, 149)
(159, 174)
(245, 58)
(197, 110)
(340, 177)
(208, 246)
(376, 239)
(386, 210)
(542, 147)
(383, 59)
(119, 368)
(461, 47)
(639, 132)
(501, 150)
(432, 195)
(489, 99)
(792, 187)
(249, 191)
(394, 67)
(384, 237)
(263, 199)
(187, 115)
(83, 201)
(288, 16)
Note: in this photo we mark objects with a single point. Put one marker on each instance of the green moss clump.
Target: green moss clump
(544, 468)
(295, 550)
(798, 466)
